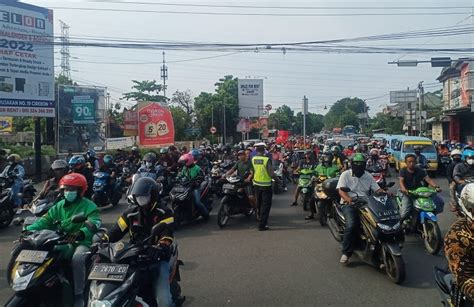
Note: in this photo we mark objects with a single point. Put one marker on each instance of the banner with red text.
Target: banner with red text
(155, 125)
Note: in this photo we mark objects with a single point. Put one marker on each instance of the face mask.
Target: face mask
(149, 164)
(10, 162)
(70, 195)
(358, 170)
(470, 161)
(456, 158)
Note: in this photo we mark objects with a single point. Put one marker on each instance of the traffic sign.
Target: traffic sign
(268, 107)
(213, 130)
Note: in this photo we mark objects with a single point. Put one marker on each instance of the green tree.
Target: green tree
(282, 119)
(344, 112)
(145, 91)
(314, 123)
(181, 121)
(184, 99)
(391, 125)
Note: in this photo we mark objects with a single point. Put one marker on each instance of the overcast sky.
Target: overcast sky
(323, 78)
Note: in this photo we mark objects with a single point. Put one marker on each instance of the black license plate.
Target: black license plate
(32, 256)
(108, 272)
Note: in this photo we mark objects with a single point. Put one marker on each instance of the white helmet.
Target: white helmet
(456, 152)
(467, 198)
(374, 152)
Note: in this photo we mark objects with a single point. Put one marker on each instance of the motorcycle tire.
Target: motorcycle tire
(322, 213)
(305, 202)
(13, 254)
(6, 217)
(223, 215)
(394, 267)
(434, 239)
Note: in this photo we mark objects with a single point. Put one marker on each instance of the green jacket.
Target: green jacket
(63, 212)
(191, 172)
(329, 172)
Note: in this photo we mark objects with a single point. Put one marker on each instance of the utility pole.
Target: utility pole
(65, 67)
(224, 128)
(421, 100)
(164, 74)
(212, 121)
(305, 111)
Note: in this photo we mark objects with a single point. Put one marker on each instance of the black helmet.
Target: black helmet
(143, 192)
(150, 157)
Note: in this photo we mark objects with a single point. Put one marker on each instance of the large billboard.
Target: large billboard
(27, 60)
(81, 118)
(250, 97)
(155, 125)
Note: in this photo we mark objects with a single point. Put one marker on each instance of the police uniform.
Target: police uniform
(262, 182)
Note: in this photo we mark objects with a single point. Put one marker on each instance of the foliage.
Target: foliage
(314, 123)
(181, 121)
(283, 118)
(184, 99)
(344, 112)
(391, 125)
(145, 91)
(29, 151)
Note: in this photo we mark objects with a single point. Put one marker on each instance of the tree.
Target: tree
(314, 123)
(145, 91)
(282, 119)
(344, 112)
(391, 125)
(181, 121)
(185, 100)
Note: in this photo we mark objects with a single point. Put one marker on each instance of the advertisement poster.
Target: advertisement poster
(81, 119)
(250, 97)
(6, 124)
(155, 125)
(467, 85)
(130, 123)
(455, 93)
(120, 143)
(27, 60)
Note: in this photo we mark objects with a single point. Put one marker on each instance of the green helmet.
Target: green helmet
(163, 151)
(358, 157)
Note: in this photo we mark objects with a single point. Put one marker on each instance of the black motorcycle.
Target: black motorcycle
(451, 296)
(380, 235)
(7, 207)
(235, 200)
(443, 162)
(121, 274)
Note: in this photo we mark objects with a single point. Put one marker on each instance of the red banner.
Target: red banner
(155, 125)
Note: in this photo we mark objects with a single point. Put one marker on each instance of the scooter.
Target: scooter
(380, 235)
(102, 190)
(379, 175)
(235, 201)
(443, 162)
(450, 294)
(423, 219)
(305, 182)
(323, 198)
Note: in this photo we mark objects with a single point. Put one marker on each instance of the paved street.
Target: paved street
(296, 263)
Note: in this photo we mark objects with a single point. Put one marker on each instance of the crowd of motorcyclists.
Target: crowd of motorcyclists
(262, 169)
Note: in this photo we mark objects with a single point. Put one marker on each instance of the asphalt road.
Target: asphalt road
(296, 263)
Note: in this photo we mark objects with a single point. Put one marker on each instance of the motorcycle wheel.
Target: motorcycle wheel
(6, 215)
(323, 217)
(433, 239)
(305, 202)
(394, 267)
(223, 215)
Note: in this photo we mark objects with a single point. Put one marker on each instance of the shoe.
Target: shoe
(264, 228)
(294, 204)
(309, 217)
(344, 259)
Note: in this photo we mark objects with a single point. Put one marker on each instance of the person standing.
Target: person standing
(262, 174)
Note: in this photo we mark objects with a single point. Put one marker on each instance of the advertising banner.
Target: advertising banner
(6, 124)
(120, 143)
(455, 93)
(250, 97)
(155, 125)
(81, 118)
(27, 60)
(467, 83)
(130, 123)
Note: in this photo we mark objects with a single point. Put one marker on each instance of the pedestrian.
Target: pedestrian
(262, 174)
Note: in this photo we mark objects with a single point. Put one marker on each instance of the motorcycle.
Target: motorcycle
(322, 197)
(216, 178)
(121, 272)
(461, 209)
(379, 175)
(380, 235)
(7, 208)
(278, 186)
(443, 162)
(384, 163)
(235, 200)
(305, 182)
(450, 294)
(424, 220)
(182, 199)
(103, 192)
(37, 273)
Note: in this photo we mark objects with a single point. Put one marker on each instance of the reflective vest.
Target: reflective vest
(260, 175)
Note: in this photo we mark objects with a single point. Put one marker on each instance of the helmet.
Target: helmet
(374, 152)
(327, 157)
(468, 153)
(350, 146)
(173, 148)
(77, 161)
(467, 198)
(195, 153)
(143, 192)
(108, 159)
(135, 148)
(456, 152)
(186, 159)
(14, 158)
(458, 146)
(358, 157)
(163, 150)
(74, 180)
(59, 164)
(335, 149)
(90, 153)
(150, 157)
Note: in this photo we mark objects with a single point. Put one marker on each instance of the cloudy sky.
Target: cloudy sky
(322, 77)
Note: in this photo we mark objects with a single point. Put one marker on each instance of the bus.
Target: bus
(349, 130)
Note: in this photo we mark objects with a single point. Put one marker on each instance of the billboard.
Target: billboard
(81, 118)
(250, 93)
(467, 85)
(155, 125)
(27, 60)
(130, 123)
(120, 143)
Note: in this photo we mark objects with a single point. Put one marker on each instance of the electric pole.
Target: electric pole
(305, 111)
(164, 74)
(421, 98)
(65, 67)
(224, 128)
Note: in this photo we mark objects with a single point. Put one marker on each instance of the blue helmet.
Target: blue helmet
(467, 153)
(108, 159)
(196, 153)
(90, 153)
(77, 160)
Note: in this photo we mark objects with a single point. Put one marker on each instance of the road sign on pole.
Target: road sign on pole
(213, 130)
(268, 107)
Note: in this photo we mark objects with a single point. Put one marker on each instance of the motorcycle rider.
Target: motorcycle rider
(77, 164)
(148, 164)
(373, 160)
(200, 160)
(50, 189)
(194, 173)
(456, 157)
(15, 171)
(339, 158)
(306, 163)
(146, 211)
(420, 158)
(111, 168)
(412, 177)
(361, 183)
(79, 236)
(243, 168)
(92, 159)
(349, 151)
(166, 160)
(463, 171)
(458, 247)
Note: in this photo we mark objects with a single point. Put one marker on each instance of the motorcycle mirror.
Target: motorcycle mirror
(347, 190)
(390, 184)
(79, 218)
(133, 214)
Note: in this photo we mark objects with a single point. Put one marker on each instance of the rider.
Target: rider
(349, 151)
(463, 171)
(373, 160)
(15, 171)
(360, 183)
(338, 157)
(145, 212)
(50, 189)
(420, 158)
(79, 236)
(134, 156)
(166, 160)
(412, 177)
(194, 173)
(92, 159)
(77, 164)
(456, 156)
(458, 247)
(306, 163)
(148, 163)
(111, 168)
(200, 160)
(243, 168)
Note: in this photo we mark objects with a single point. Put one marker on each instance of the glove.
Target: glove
(161, 252)
(75, 236)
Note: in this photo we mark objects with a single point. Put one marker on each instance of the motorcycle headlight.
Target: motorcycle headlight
(384, 227)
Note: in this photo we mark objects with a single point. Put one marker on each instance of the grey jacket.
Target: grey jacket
(462, 171)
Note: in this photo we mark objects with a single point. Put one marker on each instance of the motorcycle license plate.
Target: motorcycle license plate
(228, 186)
(32, 256)
(179, 189)
(108, 272)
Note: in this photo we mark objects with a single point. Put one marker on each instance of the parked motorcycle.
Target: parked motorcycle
(104, 193)
(425, 218)
(235, 200)
(380, 235)
(305, 182)
(450, 294)
(121, 273)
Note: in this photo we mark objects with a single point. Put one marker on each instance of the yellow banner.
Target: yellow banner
(6, 124)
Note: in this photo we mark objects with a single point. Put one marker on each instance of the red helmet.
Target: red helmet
(74, 180)
(186, 159)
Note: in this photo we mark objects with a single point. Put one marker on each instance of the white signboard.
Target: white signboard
(120, 143)
(27, 60)
(250, 97)
(403, 96)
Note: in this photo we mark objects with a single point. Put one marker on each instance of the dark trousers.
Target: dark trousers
(263, 196)
(351, 215)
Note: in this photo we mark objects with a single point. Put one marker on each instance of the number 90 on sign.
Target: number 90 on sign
(82, 111)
